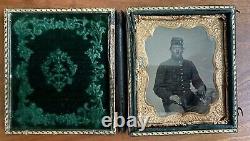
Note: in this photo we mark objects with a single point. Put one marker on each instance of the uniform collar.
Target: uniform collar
(179, 61)
(175, 62)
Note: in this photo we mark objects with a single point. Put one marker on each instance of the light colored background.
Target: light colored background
(243, 67)
(198, 48)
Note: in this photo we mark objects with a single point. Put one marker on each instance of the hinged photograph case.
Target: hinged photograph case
(170, 69)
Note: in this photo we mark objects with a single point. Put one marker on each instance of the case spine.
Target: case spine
(121, 101)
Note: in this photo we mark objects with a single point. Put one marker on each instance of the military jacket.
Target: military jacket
(176, 79)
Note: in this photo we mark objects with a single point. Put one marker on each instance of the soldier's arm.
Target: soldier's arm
(196, 80)
(159, 86)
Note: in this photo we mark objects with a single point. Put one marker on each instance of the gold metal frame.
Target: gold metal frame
(111, 57)
(215, 26)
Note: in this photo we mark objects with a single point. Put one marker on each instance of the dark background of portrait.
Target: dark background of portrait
(198, 48)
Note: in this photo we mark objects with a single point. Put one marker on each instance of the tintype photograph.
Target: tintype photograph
(182, 69)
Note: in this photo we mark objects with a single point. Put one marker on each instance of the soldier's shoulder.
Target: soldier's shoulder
(188, 61)
(165, 63)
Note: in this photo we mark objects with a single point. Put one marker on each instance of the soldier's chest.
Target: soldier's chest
(178, 73)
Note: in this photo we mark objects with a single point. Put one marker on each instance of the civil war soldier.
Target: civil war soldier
(173, 80)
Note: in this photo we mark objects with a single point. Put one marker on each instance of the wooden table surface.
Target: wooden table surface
(243, 67)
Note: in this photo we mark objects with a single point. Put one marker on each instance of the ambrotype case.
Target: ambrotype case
(182, 73)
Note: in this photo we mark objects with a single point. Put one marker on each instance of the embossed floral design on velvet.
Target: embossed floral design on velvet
(58, 69)
(28, 114)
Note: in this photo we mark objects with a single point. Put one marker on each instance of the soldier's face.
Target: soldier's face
(176, 51)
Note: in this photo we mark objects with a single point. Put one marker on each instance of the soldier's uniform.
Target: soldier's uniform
(174, 78)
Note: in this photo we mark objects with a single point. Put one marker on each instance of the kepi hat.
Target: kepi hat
(177, 41)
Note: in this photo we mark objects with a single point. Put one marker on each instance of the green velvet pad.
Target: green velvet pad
(59, 68)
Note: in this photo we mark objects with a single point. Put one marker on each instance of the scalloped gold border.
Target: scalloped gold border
(7, 57)
(214, 25)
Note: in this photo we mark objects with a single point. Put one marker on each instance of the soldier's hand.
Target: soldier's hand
(202, 90)
(202, 94)
(175, 98)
